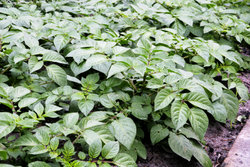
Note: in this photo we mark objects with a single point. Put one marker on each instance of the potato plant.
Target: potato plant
(87, 82)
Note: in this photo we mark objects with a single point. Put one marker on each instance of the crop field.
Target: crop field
(87, 83)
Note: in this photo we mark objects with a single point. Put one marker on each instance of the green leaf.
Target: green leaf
(231, 56)
(54, 57)
(3, 78)
(3, 93)
(198, 99)
(81, 155)
(39, 109)
(186, 84)
(43, 136)
(70, 119)
(34, 64)
(132, 152)
(80, 54)
(179, 113)
(6, 103)
(96, 59)
(165, 19)
(69, 149)
(57, 74)
(26, 102)
(125, 131)
(105, 165)
(38, 164)
(26, 140)
(116, 68)
(20, 91)
(6, 117)
(140, 112)
(39, 149)
(37, 50)
(30, 40)
(247, 38)
(119, 50)
(199, 121)
(73, 79)
(139, 67)
(50, 111)
(110, 150)
(144, 43)
(89, 135)
(104, 133)
(163, 99)
(189, 133)
(217, 55)
(60, 42)
(186, 19)
(201, 155)
(78, 69)
(242, 90)
(103, 67)
(95, 148)
(86, 106)
(155, 83)
(158, 133)
(92, 164)
(108, 100)
(231, 103)
(19, 58)
(140, 149)
(6, 128)
(54, 143)
(179, 27)
(185, 74)
(3, 154)
(179, 60)
(180, 145)
(219, 112)
(124, 160)
(88, 122)
(93, 78)
(196, 30)
(203, 52)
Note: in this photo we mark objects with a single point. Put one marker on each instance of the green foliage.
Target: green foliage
(82, 82)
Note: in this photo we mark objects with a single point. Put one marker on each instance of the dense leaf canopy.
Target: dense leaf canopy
(86, 82)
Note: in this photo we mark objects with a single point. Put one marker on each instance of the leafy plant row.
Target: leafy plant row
(86, 82)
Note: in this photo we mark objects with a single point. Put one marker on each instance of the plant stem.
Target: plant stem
(13, 108)
(132, 84)
(6, 69)
(76, 139)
